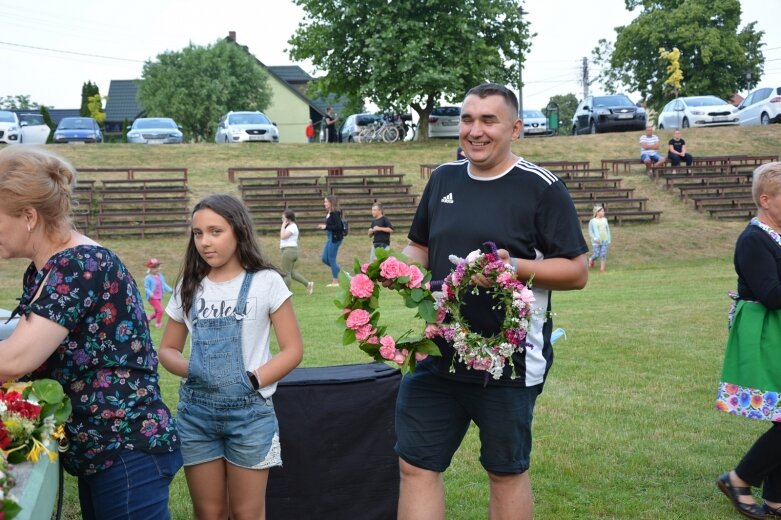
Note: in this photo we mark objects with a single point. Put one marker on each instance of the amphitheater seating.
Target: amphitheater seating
(141, 202)
(267, 196)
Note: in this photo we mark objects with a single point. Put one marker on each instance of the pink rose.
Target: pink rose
(416, 276)
(361, 286)
(441, 314)
(387, 341)
(401, 356)
(364, 268)
(363, 332)
(427, 286)
(374, 340)
(388, 351)
(431, 332)
(420, 356)
(357, 318)
(391, 268)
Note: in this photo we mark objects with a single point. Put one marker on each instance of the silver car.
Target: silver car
(761, 107)
(240, 127)
(443, 122)
(535, 123)
(697, 112)
(154, 130)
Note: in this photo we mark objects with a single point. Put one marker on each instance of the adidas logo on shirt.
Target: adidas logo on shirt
(447, 199)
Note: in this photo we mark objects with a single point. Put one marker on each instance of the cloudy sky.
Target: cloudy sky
(49, 48)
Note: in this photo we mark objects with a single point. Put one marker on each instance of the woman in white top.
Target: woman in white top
(288, 244)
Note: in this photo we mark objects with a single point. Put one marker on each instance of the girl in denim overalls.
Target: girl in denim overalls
(227, 298)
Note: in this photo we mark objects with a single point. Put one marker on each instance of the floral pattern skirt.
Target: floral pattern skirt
(751, 376)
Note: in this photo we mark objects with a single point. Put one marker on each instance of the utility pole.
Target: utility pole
(585, 78)
(521, 12)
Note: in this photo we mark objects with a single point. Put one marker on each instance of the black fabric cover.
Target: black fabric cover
(337, 434)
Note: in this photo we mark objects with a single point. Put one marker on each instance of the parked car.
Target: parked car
(34, 129)
(443, 122)
(239, 127)
(154, 130)
(535, 123)
(78, 130)
(9, 127)
(697, 111)
(761, 107)
(613, 113)
(353, 124)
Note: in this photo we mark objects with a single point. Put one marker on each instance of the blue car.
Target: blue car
(78, 130)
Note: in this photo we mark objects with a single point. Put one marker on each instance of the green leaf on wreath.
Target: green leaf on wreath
(47, 391)
(356, 265)
(417, 294)
(427, 311)
(348, 337)
(428, 347)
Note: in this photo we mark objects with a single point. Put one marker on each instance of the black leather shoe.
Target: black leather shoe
(754, 511)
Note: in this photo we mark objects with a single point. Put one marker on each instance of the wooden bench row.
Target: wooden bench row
(285, 171)
(132, 207)
(134, 173)
(711, 160)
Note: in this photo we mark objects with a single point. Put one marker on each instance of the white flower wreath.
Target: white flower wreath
(472, 349)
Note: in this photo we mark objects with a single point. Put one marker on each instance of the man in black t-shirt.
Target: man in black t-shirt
(527, 211)
(380, 229)
(676, 150)
(330, 125)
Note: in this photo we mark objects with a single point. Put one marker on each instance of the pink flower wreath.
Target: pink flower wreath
(360, 315)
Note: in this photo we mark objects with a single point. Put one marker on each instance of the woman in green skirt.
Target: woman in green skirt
(751, 377)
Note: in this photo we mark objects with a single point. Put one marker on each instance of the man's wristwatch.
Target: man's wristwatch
(253, 379)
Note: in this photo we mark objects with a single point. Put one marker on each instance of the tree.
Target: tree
(675, 74)
(95, 108)
(567, 103)
(47, 118)
(410, 53)
(21, 102)
(198, 85)
(715, 59)
(88, 90)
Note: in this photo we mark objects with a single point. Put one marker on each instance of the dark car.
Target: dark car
(614, 113)
(78, 130)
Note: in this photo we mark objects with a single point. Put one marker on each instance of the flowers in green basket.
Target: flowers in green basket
(9, 507)
(359, 302)
(31, 415)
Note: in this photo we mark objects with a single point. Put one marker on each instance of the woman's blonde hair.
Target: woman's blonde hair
(37, 178)
(596, 210)
(766, 180)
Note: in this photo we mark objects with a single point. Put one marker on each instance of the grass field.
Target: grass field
(626, 427)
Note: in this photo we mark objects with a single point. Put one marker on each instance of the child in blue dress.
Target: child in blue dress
(154, 288)
(227, 299)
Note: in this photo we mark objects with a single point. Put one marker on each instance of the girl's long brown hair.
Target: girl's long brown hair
(195, 268)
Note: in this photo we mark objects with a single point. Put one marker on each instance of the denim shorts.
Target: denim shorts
(135, 486)
(433, 415)
(242, 430)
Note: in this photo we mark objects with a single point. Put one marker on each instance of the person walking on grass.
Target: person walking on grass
(288, 245)
(228, 298)
(154, 288)
(599, 231)
(527, 211)
(380, 230)
(751, 374)
(334, 234)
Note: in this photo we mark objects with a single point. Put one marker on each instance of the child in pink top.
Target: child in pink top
(154, 286)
